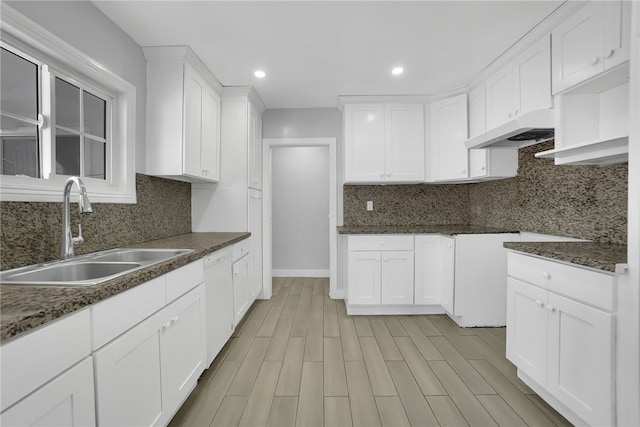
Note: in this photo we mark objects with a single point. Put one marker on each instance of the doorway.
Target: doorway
(299, 210)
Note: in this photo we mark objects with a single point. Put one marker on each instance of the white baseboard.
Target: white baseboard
(394, 309)
(337, 294)
(299, 273)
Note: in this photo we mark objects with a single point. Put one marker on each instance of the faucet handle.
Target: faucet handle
(79, 239)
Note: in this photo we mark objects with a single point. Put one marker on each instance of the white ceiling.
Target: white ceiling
(314, 51)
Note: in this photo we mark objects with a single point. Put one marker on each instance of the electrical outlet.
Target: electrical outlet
(370, 205)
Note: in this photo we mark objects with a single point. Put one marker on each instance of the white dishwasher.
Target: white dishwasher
(219, 299)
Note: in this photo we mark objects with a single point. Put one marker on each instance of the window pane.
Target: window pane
(94, 155)
(67, 105)
(67, 153)
(20, 155)
(94, 114)
(19, 83)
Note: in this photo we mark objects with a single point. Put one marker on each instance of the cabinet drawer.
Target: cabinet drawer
(577, 283)
(29, 361)
(120, 312)
(381, 242)
(184, 279)
(241, 249)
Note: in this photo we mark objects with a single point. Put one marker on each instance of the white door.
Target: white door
(194, 97)
(364, 277)
(477, 111)
(581, 361)
(500, 97)
(68, 400)
(183, 346)
(397, 277)
(128, 377)
(210, 161)
(364, 142)
(404, 142)
(429, 269)
(527, 329)
(532, 78)
(449, 156)
(241, 288)
(448, 273)
(577, 47)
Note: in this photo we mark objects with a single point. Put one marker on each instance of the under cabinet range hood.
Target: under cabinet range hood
(527, 129)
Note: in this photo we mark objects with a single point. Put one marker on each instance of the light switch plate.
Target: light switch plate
(370, 205)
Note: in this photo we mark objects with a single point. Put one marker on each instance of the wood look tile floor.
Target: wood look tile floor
(299, 360)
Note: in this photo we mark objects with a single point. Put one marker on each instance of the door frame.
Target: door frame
(267, 231)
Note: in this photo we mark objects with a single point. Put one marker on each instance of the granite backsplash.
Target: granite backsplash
(30, 231)
(577, 201)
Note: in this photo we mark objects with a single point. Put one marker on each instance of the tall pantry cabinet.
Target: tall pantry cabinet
(235, 203)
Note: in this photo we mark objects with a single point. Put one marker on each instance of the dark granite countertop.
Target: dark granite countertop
(602, 256)
(23, 307)
(449, 230)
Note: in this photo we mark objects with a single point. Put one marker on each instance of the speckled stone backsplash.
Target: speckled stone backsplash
(419, 204)
(588, 202)
(30, 232)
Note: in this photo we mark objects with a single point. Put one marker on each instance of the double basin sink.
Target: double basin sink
(91, 269)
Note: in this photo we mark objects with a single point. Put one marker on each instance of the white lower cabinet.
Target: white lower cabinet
(561, 344)
(65, 401)
(379, 276)
(218, 281)
(143, 376)
(243, 292)
(434, 263)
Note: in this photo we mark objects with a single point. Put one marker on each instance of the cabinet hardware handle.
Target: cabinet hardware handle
(551, 309)
(610, 54)
(464, 171)
(546, 275)
(482, 168)
(510, 114)
(539, 303)
(377, 259)
(515, 113)
(388, 174)
(595, 60)
(381, 175)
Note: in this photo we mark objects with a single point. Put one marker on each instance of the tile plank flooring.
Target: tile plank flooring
(299, 360)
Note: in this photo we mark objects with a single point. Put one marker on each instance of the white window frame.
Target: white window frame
(24, 35)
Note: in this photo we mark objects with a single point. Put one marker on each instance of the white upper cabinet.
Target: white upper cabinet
(384, 143)
(449, 156)
(521, 86)
(592, 40)
(183, 116)
(477, 110)
(255, 149)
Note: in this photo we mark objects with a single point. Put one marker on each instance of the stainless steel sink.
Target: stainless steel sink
(91, 269)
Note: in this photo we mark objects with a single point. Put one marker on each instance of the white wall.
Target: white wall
(83, 26)
(300, 197)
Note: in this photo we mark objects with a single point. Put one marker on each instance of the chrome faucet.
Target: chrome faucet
(68, 241)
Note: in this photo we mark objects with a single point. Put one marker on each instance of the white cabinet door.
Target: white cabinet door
(617, 35)
(577, 46)
(404, 142)
(183, 347)
(364, 277)
(449, 156)
(500, 97)
(397, 277)
(255, 149)
(429, 269)
(448, 273)
(128, 377)
(210, 149)
(364, 136)
(581, 359)
(219, 297)
(241, 287)
(65, 401)
(194, 98)
(255, 228)
(532, 78)
(527, 329)
(477, 111)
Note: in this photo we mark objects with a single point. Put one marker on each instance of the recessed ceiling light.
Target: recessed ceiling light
(397, 71)
(260, 74)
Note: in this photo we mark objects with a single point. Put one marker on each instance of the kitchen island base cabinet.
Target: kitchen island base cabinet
(562, 345)
(65, 401)
(143, 376)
